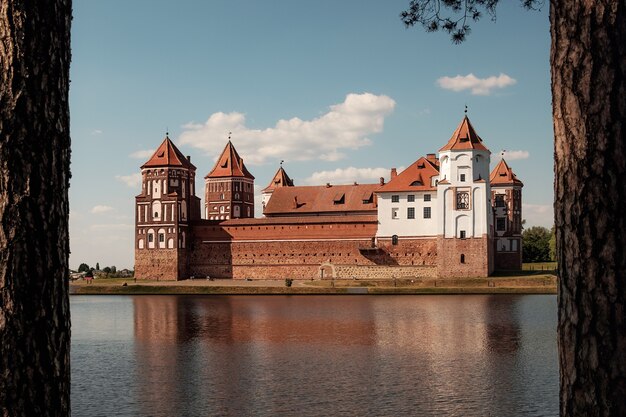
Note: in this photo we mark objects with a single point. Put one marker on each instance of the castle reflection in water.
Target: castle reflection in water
(242, 355)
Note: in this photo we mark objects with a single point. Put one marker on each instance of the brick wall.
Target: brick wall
(508, 261)
(162, 264)
(283, 248)
(464, 258)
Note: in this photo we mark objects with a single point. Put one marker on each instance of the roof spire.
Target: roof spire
(167, 132)
(229, 134)
(502, 152)
(466, 109)
(281, 162)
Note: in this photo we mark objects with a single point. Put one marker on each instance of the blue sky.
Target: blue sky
(340, 90)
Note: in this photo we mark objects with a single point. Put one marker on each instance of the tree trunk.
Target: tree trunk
(588, 61)
(34, 180)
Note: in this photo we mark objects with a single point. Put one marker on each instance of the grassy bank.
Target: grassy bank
(535, 284)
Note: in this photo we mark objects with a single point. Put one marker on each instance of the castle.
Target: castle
(444, 216)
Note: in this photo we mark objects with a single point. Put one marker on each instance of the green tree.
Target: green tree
(83, 268)
(113, 269)
(106, 269)
(553, 244)
(97, 266)
(536, 244)
(588, 68)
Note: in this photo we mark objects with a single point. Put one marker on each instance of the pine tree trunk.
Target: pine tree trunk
(588, 61)
(34, 180)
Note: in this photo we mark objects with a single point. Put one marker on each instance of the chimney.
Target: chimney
(189, 158)
(355, 183)
(431, 157)
(382, 181)
(328, 185)
(394, 173)
(295, 202)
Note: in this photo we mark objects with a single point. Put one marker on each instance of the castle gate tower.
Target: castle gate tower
(229, 188)
(463, 198)
(163, 211)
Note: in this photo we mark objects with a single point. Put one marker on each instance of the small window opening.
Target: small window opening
(462, 258)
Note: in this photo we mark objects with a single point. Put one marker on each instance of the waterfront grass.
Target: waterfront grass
(530, 284)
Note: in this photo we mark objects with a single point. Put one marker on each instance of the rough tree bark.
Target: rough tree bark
(588, 60)
(34, 180)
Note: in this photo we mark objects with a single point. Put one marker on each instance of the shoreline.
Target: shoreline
(536, 284)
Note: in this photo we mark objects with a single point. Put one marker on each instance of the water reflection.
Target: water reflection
(330, 355)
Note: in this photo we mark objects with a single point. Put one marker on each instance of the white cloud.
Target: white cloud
(538, 215)
(142, 154)
(344, 126)
(478, 86)
(101, 209)
(132, 180)
(513, 155)
(96, 132)
(348, 176)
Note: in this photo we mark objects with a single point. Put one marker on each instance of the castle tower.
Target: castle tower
(281, 179)
(506, 195)
(164, 209)
(463, 193)
(229, 188)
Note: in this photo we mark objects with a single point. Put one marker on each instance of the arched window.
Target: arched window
(161, 238)
(150, 238)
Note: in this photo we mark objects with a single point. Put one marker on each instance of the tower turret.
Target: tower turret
(164, 208)
(280, 179)
(463, 200)
(506, 197)
(229, 188)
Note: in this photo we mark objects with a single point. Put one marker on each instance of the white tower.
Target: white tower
(463, 194)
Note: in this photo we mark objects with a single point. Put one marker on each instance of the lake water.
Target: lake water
(440, 355)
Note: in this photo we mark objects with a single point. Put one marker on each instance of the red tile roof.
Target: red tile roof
(502, 174)
(281, 179)
(229, 164)
(167, 154)
(464, 137)
(322, 199)
(417, 177)
(359, 218)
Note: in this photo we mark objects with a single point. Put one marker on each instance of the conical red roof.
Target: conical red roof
(502, 174)
(167, 154)
(464, 137)
(229, 164)
(281, 179)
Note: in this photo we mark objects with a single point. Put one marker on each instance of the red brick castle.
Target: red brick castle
(443, 216)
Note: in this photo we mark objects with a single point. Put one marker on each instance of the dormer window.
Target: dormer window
(339, 198)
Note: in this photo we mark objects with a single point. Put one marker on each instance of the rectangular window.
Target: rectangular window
(410, 213)
(410, 198)
(462, 234)
(462, 200)
(427, 212)
(394, 213)
(462, 177)
(500, 200)
(426, 197)
(395, 198)
(501, 224)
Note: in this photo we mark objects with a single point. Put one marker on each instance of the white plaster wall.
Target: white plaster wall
(402, 226)
(475, 165)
